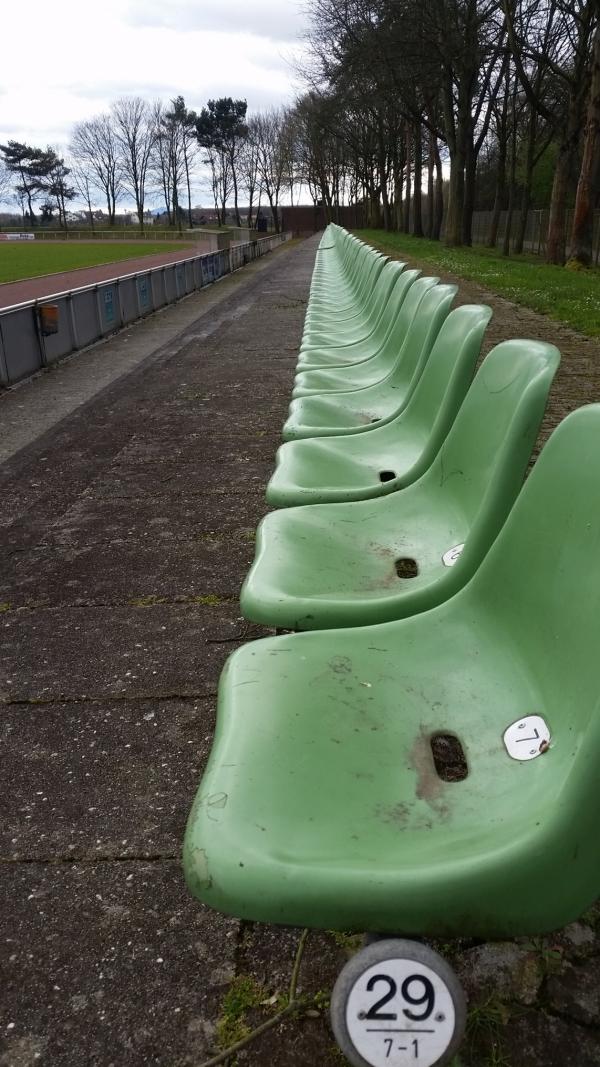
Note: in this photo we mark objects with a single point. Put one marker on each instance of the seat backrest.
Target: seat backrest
(386, 281)
(445, 378)
(540, 581)
(431, 306)
(403, 315)
(483, 460)
(392, 308)
(367, 279)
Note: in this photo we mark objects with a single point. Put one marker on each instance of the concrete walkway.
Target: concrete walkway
(132, 483)
(127, 529)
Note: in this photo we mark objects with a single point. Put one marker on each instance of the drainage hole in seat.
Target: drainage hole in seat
(449, 758)
(406, 568)
(387, 476)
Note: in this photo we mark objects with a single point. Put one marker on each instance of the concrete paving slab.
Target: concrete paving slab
(113, 572)
(161, 519)
(91, 781)
(100, 703)
(110, 965)
(84, 653)
(220, 466)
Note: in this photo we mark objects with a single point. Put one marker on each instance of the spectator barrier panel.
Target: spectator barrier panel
(28, 342)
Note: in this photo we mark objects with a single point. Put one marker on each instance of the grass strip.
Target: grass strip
(568, 296)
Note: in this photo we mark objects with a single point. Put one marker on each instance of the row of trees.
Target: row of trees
(144, 152)
(37, 173)
(504, 91)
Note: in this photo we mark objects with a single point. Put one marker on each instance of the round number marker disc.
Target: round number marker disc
(401, 1004)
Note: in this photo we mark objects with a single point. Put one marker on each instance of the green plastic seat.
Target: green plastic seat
(399, 349)
(345, 290)
(352, 330)
(353, 285)
(372, 561)
(322, 804)
(387, 334)
(396, 452)
(357, 410)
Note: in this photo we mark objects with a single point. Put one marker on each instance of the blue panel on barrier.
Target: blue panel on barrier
(109, 306)
(144, 293)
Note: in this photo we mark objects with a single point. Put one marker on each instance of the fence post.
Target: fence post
(3, 367)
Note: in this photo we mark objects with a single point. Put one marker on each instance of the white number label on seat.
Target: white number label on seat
(452, 555)
(527, 738)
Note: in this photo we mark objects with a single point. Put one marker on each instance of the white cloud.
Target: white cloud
(77, 63)
(282, 21)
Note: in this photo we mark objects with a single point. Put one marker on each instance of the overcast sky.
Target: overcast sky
(70, 60)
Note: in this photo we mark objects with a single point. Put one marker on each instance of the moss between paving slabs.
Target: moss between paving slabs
(568, 296)
(152, 601)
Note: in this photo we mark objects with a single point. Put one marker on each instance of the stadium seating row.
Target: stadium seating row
(423, 762)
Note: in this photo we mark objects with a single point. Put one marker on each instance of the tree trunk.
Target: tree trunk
(456, 199)
(238, 220)
(469, 200)
(430, 173)
(587, 186)
(417, 196)
(406, 215)
(527, 180)
(382, 163)
(398, 165)
(189, 191)
(438, 215)
(513, 175)
(556, 240)
(499, 196)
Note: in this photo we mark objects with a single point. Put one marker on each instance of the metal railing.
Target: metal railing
(88, 314)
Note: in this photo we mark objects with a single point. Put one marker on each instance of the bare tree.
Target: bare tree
(169, 160)
(83, 185)
(249, 175)
(95, 147)
(568, 56)
(135, 134)
(271, 136)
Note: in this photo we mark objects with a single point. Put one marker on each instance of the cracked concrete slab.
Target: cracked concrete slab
(116, 571)
(142, 649)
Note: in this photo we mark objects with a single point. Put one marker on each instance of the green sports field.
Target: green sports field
(30, 259)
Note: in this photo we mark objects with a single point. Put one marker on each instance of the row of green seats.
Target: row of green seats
(424, 762)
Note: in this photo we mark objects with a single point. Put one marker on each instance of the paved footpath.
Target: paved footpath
(127, 526)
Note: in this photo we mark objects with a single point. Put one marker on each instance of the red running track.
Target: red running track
(49, 284)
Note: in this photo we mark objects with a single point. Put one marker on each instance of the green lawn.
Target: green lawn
(30, 259)
(571, 297)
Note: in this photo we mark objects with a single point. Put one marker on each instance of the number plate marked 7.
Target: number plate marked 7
(527, 737)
